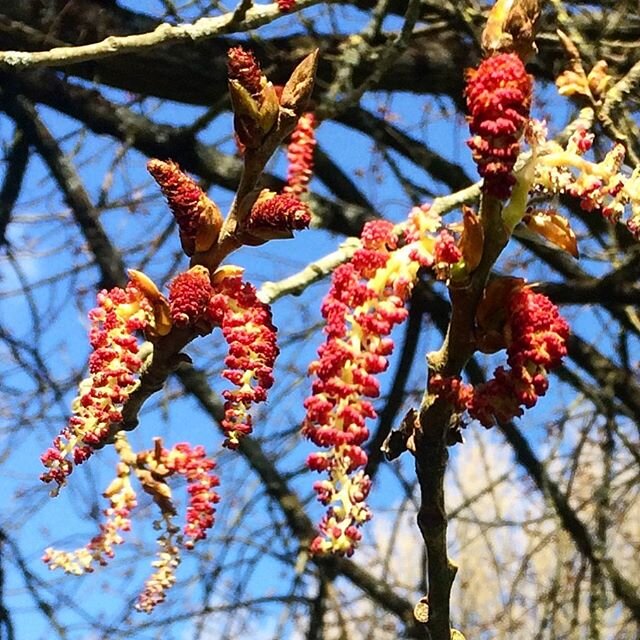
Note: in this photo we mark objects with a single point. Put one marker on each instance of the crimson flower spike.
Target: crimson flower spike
(535, 335)
(247, 327)
(192, 463)
(498, 97)
(189, 295)
(113, 367)
(199, 219)
(274, 216)
(300, 155)
(365, 302)
(536, 343)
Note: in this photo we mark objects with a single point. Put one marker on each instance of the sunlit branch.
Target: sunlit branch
(163, 34)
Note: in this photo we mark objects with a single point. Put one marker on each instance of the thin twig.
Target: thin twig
(359, 51)
(613, 100)
(315, 271)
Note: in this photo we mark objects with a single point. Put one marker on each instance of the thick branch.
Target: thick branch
(163, 34)
(431, 448)
(527, 458)
(63, 171)
(17, 161)
(193, 73)
(163, 141)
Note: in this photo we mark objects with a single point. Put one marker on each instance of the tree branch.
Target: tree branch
(163, 34)
(570, 520)
(63, 171)
(163, 141)
(17, 161)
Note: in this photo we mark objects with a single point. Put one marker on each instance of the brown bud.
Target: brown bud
(253, 118)
(297, 91)
(270, 108)
(521, 24)
(472, 239)
(209, 227)
(245, 115)
(511, 27)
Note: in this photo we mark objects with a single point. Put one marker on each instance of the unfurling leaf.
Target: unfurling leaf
(554, 228)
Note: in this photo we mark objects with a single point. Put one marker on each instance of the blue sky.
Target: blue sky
(45, 244)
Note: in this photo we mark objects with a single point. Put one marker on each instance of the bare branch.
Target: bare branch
(163, 34)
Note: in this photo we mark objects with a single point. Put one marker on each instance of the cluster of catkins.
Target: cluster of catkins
(366, 300)
(197, 302)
